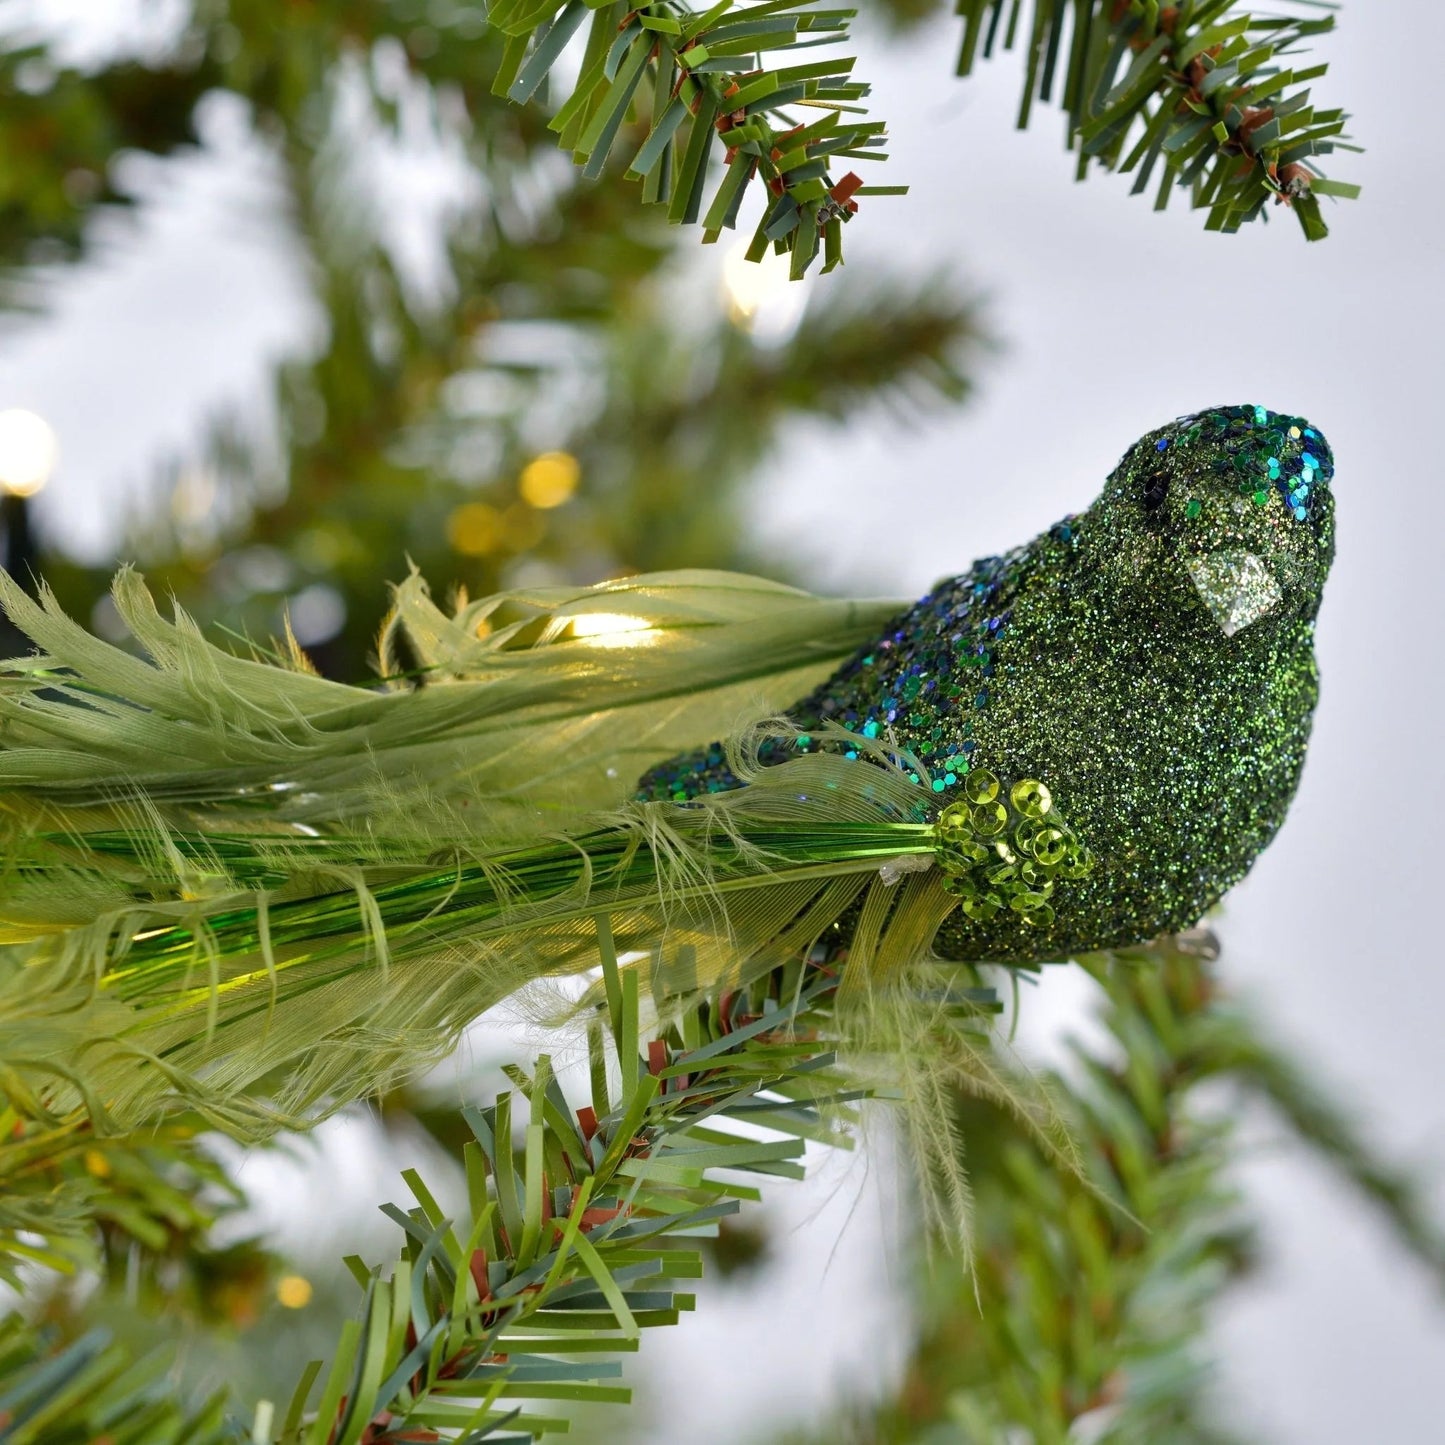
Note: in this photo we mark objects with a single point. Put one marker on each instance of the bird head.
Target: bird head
(1237, 501)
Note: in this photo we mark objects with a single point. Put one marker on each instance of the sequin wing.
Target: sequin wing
(919, 684)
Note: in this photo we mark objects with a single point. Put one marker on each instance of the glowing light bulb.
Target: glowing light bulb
(294, 1291)
(474, 529)
(549, 480)
(761, 298)
(28, 452)
(612, 629)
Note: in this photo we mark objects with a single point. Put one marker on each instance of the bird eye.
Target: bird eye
(1156, 489)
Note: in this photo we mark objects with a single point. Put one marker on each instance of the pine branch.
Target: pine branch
(72, 1199)
(1095, 1293)
(571, 1250)
(1094, 1297)
(1241, 1052)
(92, 1390)
(60, 137)
(700, 77)
(1204, 92)
(580, 1244)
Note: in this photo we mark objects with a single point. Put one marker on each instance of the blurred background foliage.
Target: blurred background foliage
(1088, 1312)
(547, 386)
(554, 387)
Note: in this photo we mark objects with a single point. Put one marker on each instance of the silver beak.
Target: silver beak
(1238, 588)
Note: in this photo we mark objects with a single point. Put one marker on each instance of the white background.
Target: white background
(1113, 319)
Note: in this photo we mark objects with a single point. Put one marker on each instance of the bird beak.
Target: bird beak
(1237, 587)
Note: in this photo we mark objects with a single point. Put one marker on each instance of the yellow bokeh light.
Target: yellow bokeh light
(96, 1164)
(474, 529)
(550, 479)
(612, 629)
(762, 299)
(522, 527)
(294, 1291)
(28, 452)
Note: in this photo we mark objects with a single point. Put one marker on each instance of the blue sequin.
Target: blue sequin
(1162, 444)
(870, 729)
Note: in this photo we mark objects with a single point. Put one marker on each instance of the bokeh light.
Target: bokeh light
(550, 479)
(294, 1291)
(523, 526)
(761, 298)
(475, 529)
(317, 614)
(28, 452)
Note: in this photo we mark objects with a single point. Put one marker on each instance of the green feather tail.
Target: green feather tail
(235, 888)
(348, 960)
(236, 885)
(532, 700)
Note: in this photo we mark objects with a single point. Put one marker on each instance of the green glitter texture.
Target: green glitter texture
(1150, 660)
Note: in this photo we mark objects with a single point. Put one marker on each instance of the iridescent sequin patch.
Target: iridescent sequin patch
(1151, 660)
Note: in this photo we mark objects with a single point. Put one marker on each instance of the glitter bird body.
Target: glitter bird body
(1147, 666)
(241, 868)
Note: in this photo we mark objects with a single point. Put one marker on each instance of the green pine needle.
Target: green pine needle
(687, 97)
(1204, 93)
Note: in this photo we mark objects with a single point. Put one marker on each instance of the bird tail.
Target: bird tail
(235, 887)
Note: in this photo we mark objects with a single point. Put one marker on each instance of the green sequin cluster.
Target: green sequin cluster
(1001, 849)
(1276, 457)
(1151, 659)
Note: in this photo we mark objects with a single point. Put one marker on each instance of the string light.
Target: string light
(549, 480)
(28, 452)
(612, 629)
(294, 1291)
(761, 299)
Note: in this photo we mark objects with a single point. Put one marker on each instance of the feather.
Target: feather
(236, 888)
(288, 891)
(350, 959)
(522, 704)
